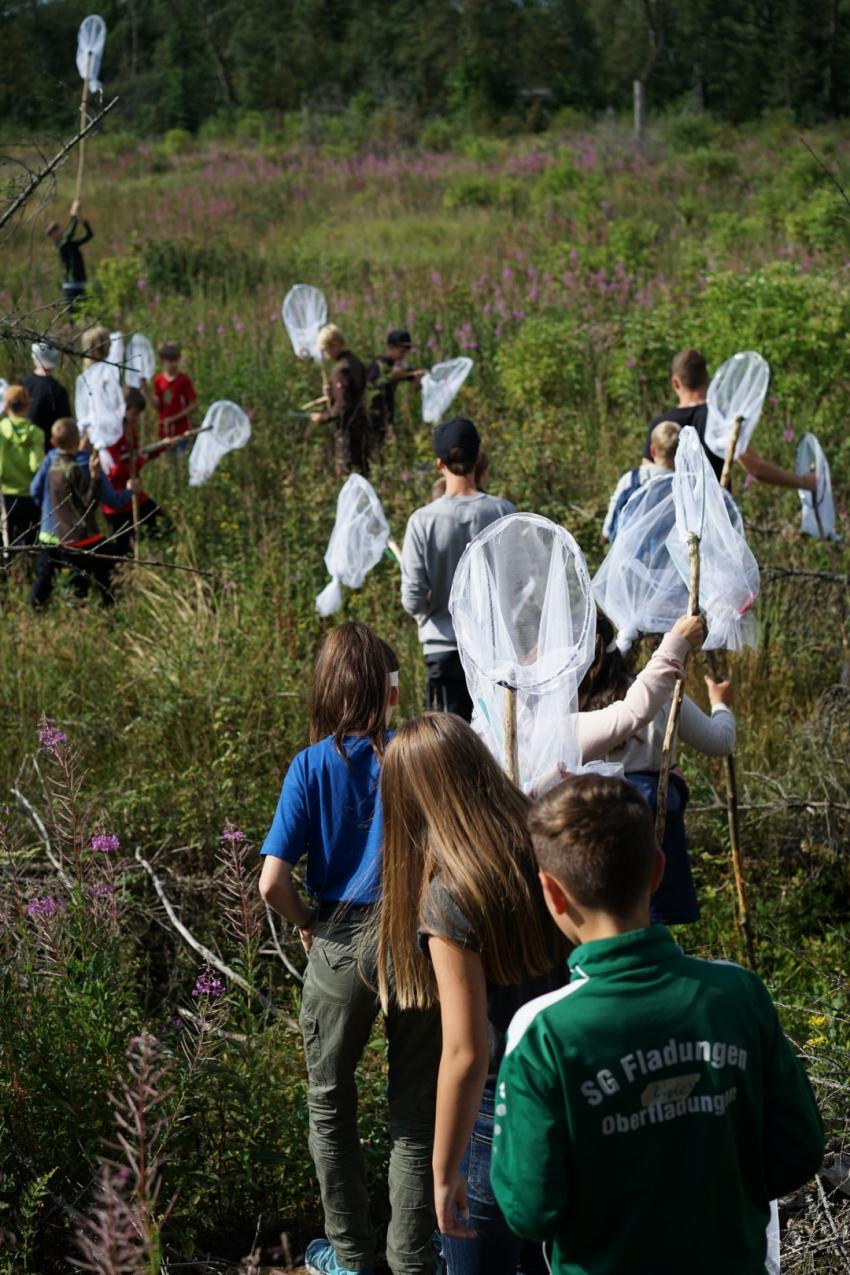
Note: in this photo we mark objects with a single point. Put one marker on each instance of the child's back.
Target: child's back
(651, 1109)
(674, 1117)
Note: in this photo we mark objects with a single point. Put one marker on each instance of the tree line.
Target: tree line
(476, 63)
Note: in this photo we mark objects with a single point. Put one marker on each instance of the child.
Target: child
(650, 1110)
(123, 462)
(98, 399)
(330, 811)
(48, 399)
(67, 487)
(459, 870)
(21, 452)
(664, 440)
(173, 393)
(605, 683)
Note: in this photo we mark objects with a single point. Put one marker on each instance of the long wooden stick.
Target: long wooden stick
(81, 154)
(676, 705)
(511, 741)
(134, 469)
(729, 771)
(726, 474)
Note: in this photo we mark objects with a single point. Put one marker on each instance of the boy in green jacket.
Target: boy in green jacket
(648, 1112)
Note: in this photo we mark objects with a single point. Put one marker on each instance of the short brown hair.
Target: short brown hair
(95, 343)
(169, 350)
(351, 686)
(16, 399)
(596, 836)
(135, 398)
(64, 433)
(690, 368)
(665, 440)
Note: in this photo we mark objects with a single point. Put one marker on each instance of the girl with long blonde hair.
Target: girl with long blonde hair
(463, 923)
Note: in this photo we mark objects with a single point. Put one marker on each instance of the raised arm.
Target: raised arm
(766, 472)
(713, 735)
(602, 729)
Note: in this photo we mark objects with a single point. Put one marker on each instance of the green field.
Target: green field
(570, 268)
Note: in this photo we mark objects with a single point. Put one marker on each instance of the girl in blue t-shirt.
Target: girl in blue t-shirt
(329, 810)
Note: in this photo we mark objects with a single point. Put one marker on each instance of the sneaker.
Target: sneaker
(320, 1259)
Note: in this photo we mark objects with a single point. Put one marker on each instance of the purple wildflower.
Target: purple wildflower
(141, 284)
(43, 907)
(50, 737)
(207, 984)
(105, 842)
(788, 435)
(231, 833)
(631, 362)
(102, 890)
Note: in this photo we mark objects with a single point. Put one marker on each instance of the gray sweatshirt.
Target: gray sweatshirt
(434, 541)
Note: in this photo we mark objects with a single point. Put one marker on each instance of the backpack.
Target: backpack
(622, 500)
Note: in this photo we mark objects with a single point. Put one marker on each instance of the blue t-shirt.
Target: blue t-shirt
(330, 810)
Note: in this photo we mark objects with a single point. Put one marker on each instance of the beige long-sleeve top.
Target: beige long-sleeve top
(631, 730)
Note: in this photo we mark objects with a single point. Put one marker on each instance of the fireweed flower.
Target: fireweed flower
(232, 834)
(102, 890)
(50, 738)
(788, 435)
(105, 842)
(208, 985)
(46, 907)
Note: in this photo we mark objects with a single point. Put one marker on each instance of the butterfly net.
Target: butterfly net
(99, 405)
(305, 313)
(116, 349)
(91, 39)
(638, 585)
(139, 361)
(358, 540)
(738, 388)
(818, 507)
(729, 574)
(225, 428)
(524, 617)
(440, 387)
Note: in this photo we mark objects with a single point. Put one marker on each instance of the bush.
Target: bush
(691, 131)
(474, 190)
(709, 163)
(180, 265)
(175, 141)
(436, 135)
(822, 222)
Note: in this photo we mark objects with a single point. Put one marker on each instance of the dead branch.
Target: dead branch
(205, 952)
(279, 949)
(38, 823)
(37, 178)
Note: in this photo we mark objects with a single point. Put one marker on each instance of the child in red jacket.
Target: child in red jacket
(119, 462)
(173, 393)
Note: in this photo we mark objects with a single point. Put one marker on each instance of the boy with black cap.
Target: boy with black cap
(648, 1112)
(434, 541)
(382, 377)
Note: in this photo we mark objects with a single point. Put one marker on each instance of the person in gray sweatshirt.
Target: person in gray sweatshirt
(434, 541)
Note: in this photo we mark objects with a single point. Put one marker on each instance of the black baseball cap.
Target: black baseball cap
(458, 434)
(399, 338)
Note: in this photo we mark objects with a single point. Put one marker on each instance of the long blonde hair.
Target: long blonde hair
(95, 344)
(451, 813)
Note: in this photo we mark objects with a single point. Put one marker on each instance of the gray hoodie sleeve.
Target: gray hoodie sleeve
(415, 584)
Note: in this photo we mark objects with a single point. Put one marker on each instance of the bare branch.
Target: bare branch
(37, 178)
(38, 823)
(279, 949)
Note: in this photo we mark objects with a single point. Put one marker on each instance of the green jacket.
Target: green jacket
(21, 453)
(648, 1112)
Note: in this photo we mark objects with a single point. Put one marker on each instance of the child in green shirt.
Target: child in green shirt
(648, 1112)
(21, 453)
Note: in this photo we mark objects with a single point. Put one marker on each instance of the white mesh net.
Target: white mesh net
(4, 385)
(524, 616)
(91, 39)
(116, 349)
(358, 540)
(738, 388)
(304, 313)
(818, 507)
(729, 574)
(440, 387)
(225, 428)
(99, 405)
(139, 361)
(638, 586)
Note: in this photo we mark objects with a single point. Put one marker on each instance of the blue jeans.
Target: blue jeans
(495, 1250)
